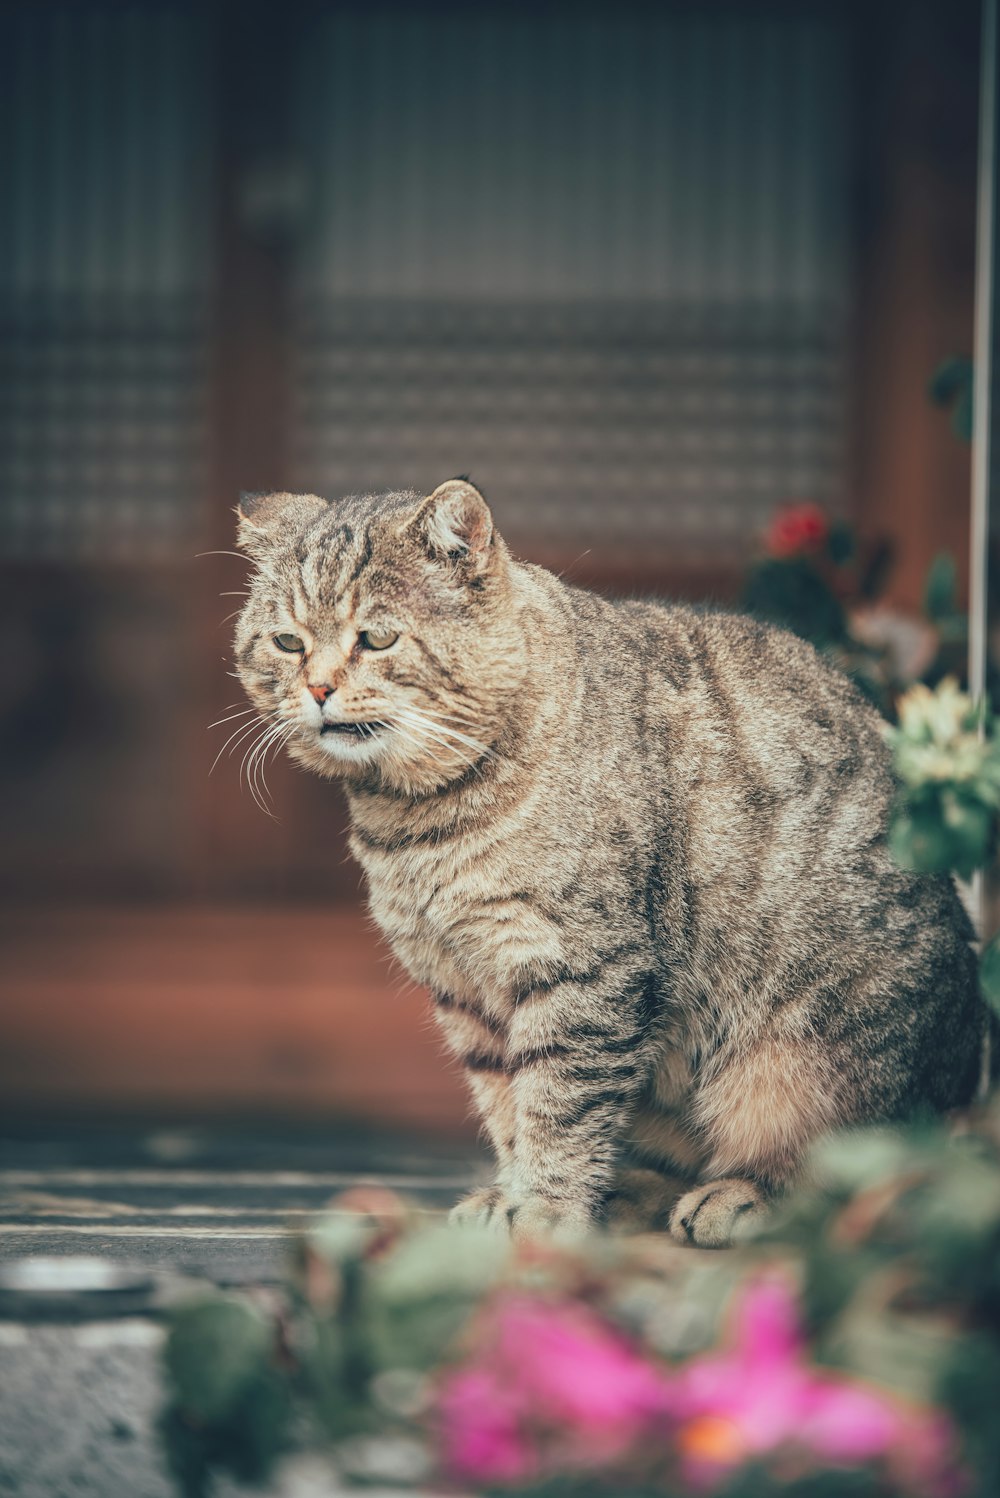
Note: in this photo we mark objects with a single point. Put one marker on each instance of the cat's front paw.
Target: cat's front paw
(718, 1213)
(487, 1207)
(535, 1218)
(525, 1219)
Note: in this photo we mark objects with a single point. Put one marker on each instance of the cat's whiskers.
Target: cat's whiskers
(233, 739)
(454, 752)
(425, 728)
(252, 763)
(418, 715)
(277, 735)
(475, 744)
(258, 567)
(229, 718)
(238, 734)
(419, 740)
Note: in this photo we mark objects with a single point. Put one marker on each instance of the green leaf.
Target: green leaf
(342, 1237)
(424, 1292)
(962, 415)
(215, 1350)
(950, 379)
(989, 972)
(853, 1159)
(840, 544)
(337, 1365)
(919, 840)
(941, 587)
(442, 1260)
(969, 823)
(898, 1352)
(792, 593)
(969, 1383)
(258, 1428)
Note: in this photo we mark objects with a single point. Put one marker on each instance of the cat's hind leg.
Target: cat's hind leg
(759, 1113)
(715, 1214)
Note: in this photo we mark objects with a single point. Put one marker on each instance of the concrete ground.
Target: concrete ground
(172, 1208)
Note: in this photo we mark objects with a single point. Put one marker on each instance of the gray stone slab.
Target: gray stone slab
(79, 1398)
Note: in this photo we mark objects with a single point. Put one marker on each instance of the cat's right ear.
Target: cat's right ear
(455, 521)
(265, 520)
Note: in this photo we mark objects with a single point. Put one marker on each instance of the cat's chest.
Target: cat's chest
(463, 924)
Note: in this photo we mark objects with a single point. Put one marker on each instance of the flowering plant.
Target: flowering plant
(551, 1388)
(816, 579)
(797, 529)
(801, 580)
(850, 1351)
(763, 1398)
(949, 765)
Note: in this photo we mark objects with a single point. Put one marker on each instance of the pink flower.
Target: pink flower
(552, 1385)
(761, 1395)
(480, 1422)
(580, 1370)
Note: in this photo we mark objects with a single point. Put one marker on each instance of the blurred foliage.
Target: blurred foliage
(791, 592)
(891, 1256)
(815, 579)
(233, 1401)
(793, 584)
(948, 760)
(951, 387)
(941, 590)
(944, 819)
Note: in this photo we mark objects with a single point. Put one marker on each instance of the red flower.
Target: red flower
(796, 529)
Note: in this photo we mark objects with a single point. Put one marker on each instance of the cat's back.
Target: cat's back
(739, 665)
(708, 685)
(770, 753)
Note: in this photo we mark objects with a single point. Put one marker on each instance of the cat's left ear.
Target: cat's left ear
(265, 520)
(455, 521)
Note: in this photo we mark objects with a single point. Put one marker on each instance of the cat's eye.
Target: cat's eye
(291, 643)
(371, 640)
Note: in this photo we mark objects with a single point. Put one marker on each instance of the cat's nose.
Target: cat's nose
(321, 690)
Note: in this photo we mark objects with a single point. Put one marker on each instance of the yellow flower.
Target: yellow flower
(943, 715)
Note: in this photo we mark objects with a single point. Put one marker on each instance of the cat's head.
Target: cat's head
(378, 637)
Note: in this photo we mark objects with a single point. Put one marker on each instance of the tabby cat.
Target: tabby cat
(637, 854)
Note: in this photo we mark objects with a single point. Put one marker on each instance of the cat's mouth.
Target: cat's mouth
(352, 730)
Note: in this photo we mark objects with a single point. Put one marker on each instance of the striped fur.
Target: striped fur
(636, 853)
